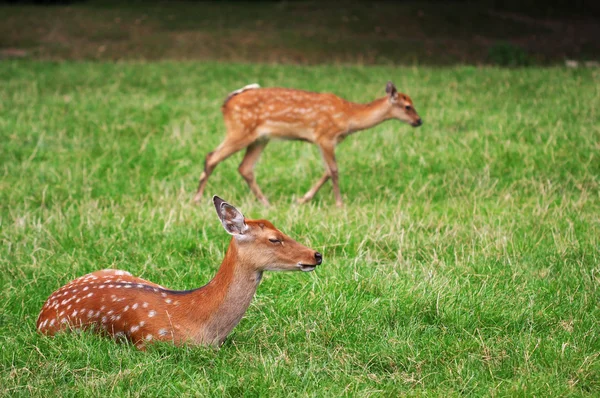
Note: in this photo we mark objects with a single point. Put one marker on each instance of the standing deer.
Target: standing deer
(253, 115)
(116, 303)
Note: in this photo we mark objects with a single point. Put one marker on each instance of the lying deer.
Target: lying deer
(253, 115)
(116, 303)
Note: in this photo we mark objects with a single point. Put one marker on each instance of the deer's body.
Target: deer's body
(121, 305)
(253, 116)
(298, 115)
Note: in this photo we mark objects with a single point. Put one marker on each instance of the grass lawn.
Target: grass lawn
(466, 260)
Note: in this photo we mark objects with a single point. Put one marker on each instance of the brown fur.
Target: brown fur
(253, 116)
(122, 305)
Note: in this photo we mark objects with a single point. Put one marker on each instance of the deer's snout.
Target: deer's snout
(417, 123)
(319, 258)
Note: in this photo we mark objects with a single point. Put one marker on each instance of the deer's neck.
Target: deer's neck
(222, 303)
(364, 116)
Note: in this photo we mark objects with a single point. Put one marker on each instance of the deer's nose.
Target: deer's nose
(319, 258)
(418, 123)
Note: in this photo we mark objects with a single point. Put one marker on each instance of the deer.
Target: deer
(127, 308)
(254, 115)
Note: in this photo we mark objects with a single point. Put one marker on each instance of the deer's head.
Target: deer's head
(263, 245)
(402, 106)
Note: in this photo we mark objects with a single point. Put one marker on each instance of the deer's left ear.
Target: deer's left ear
(391, 91)
(231, 218)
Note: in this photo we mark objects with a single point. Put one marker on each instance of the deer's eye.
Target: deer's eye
(407, 107)
(274, 240)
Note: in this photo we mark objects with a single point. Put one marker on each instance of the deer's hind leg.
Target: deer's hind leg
(246, 168)
(222, 152)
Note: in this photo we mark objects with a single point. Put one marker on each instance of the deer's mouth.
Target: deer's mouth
(417, 123)
(307, 267)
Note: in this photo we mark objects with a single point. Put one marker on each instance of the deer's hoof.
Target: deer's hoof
(197, 199)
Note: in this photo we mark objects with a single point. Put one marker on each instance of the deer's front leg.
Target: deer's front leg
(313, 191)
(246, 168)
(327, 151)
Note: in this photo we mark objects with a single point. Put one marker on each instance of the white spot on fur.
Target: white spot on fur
(163, 332)
(151, 314)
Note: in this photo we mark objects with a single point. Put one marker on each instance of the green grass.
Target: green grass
(465, 262)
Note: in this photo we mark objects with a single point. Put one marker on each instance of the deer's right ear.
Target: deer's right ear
(391, 90)
(231, 218)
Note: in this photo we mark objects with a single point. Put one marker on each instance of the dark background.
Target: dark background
(531, 7)
(512, 33)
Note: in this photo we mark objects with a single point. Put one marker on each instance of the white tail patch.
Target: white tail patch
(248, 87)
(241, 90)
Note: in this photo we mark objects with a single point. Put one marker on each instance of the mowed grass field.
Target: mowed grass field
(465, 262)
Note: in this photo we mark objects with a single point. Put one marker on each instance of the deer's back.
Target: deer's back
(281, 111)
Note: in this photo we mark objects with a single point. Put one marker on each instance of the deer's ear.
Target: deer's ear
(391, 91)
(231, 218)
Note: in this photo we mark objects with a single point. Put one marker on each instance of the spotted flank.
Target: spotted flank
(107, 300)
